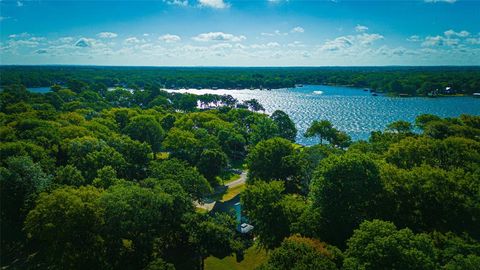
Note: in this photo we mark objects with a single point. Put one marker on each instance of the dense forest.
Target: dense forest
(97, 179)
(395, 80)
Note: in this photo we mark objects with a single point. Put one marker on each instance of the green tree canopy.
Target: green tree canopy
(286, 127)
(380, 245)
(145, 128)
(346, 189)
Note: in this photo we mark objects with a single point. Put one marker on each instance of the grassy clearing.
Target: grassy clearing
(201, 210)
(254, 257)
(228, 193)
(162, 155)
(232, 192)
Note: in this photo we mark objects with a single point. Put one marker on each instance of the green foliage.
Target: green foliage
(273, 213)
(65, 228)
(159, 264)
(214, 236)
(456, 252)
(266, 160)
(142, 215)
(286, 127)
(106, 177)
(211, 163)
(380, 245)
(324, 130)
(400, 127)
(254, 105)
(300, 253)
(145, 128)
(69, 175)
(180, 172)
(450, 153)
(262, 128)
(90, 154)
(137, 155)
(136, 220)
(428, 198)
(346, 190)
(182, 144)
(408, 80)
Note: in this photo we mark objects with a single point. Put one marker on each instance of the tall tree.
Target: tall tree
(322, 129)
(65, 229)
(145, 128)
(286, 127)
(380, 245)
(345, 190)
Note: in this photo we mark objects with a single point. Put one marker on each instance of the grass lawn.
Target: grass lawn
(254, 257)
(162, 155)
(232, 192)
(201, 210)
(228, 194)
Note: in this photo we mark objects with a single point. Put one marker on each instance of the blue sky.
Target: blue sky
(240, 33)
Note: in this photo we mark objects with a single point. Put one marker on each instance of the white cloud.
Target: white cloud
(219, 4)
(182, 3)
(337, 44)
(218, 36)
(21, 35)
(474, 41)
(132, 40)
(65, 39)
(440, 1)
(361, 28)
(413, 38)
(345, 42)
(296, 44)
(19, 4)
(276, 33)
(297, 29)
(84, 42)
(107, 35)
(221, 46)
(269, 45)
(451, 33)
(368, 39)
(170, 38)
(433, 41)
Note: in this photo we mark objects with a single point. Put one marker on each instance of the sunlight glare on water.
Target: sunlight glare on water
(352, 110)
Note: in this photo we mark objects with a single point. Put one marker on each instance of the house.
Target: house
(244, 228)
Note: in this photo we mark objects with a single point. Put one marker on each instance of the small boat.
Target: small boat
(298, 85)
(366, 89)
(374, 94)
(477, 95)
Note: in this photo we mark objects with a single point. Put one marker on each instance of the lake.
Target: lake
(349, 109)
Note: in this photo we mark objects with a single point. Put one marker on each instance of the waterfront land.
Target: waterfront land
(92, 178)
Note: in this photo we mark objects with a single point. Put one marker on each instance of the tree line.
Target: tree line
(419, 81)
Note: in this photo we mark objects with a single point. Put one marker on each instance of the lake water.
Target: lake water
(352, 110)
